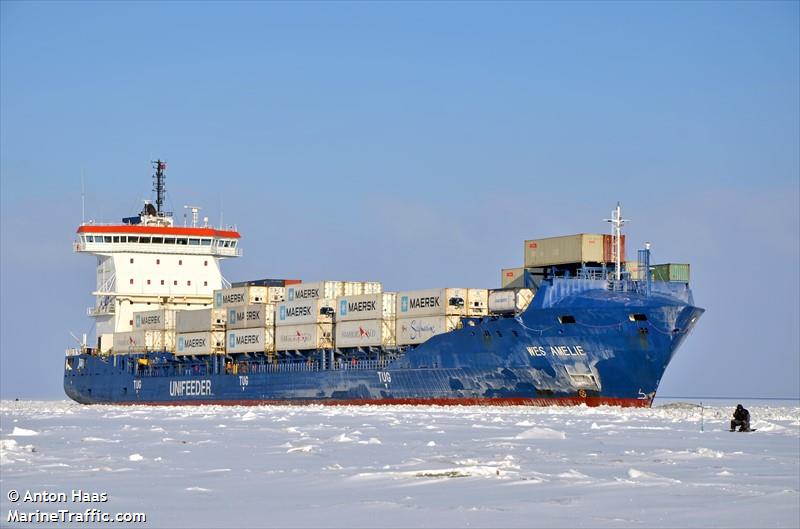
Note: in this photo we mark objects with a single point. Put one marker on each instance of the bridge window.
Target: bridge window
(116, 238)
(158, 240)
(107, 238)
(194, 242)
(169, 240)
(637, 317)
(205, 242)
(133, 238)
(566, 319)
(180, 241)
(233, 244)
(144, 240)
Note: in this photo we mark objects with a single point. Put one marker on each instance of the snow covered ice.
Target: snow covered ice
(401, 466)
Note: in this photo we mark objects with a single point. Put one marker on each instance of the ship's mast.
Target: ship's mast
(617, 221)
(159, 184)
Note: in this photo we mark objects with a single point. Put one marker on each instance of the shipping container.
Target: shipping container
(569, 249)
(260, 340)
(432, 302)
(358, 288)
(304, 337)
(239, 296)
(142, 341)
(366, 307)
(251, 316)
(512, 277)
(477, 302)
(105, 342)
(304, 311)
(608, 249)
(316, 290)
(276, 294)
(260, 283)
(365, 333)
(634, 272)
(509, 300)
(199, 320)
(417, 330)
(671, 272)
(200, 343)
(154, 320)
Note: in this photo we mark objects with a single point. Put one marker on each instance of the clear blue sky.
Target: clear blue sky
(413, 143)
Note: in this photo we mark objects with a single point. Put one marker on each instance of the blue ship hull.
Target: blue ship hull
(578, 342)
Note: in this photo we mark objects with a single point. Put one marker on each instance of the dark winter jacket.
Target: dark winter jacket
(741, 414)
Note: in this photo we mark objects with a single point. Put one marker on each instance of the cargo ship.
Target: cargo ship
(577, 323)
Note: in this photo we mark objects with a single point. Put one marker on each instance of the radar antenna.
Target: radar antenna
(159, 184)
(617, 221)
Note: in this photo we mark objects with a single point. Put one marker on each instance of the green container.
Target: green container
(671, 272)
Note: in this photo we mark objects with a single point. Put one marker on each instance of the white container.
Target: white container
(259, 340)
(276, 294)
(199, 320)
(154, 320)
(432, 302)
(251, 316)
(365, 333)
(304, 311)
(477, 302)
(129, 342)
(366, 307)
(316, 290)
(141, 341)
(417, 330)
(200, 343)
(229, 297)
(303, 337)
(509, 300)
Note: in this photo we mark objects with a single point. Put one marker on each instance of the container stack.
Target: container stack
(305, 323)
(200, 332)
(153, 330)
(244, 295)
(366, 320)
(425, 313)
(250, 328)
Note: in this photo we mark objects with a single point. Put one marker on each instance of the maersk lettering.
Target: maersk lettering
(306, 293)
(296, 312)
(424, 302)
(248, 339)
(233, 298)
(361, 306)
(194, 342)
(155, 319)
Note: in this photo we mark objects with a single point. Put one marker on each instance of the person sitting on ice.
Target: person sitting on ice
(741, 418)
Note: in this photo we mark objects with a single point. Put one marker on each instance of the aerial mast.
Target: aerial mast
(159, 184)
(617, 221)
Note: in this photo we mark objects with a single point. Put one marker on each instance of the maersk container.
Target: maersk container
(410, 331)
(200, 343)
(509, 300)
(304, 311)
(358, 288)
(580, 248)
(512, 277)
(477, 302)
(671, 272)
(228, 297)
(260, 340)
(154, 320)
(432, 302)
(276, 294)
(365, 333)
(251, 316)
(366, 307)
(304, 337)
(199, 320)
(316, 290)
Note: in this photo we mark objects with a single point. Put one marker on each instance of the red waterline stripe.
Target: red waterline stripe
(158, 230)
(509, 401)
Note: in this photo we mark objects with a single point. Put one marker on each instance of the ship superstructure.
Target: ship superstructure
(147, 262)
(577, 323)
